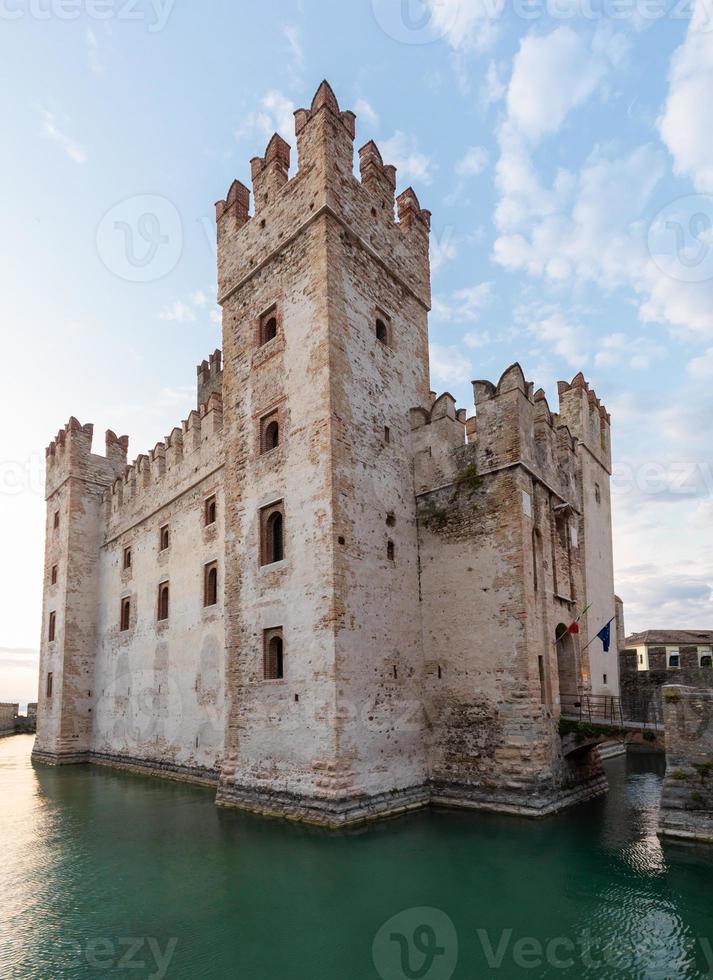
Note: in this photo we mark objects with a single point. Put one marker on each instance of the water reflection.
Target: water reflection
(92, 855)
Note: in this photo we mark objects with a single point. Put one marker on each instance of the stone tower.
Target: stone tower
(76, 480)
(325, 299)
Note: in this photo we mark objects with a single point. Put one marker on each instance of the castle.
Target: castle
(329, 592)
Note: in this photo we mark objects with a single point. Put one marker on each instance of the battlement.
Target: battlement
(70, 454)
(210, 377)
(587, 417)
(324, 183)
(193, 445)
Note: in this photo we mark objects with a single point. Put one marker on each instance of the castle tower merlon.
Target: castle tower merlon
(70, 455)
(192, 432)
(271, 172)
(174, 448)
(325, 134)
(116, 448)
(235, 209)
(506, 416)
(209, 378)
(587, 419)
(378, 179)
(211, 413)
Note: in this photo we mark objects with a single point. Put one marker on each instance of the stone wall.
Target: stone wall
(8, 716)
(641, 690)
(687, 794)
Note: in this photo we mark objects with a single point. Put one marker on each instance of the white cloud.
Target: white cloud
(473, 162)
(638, 353)
(552, 75)
(442, 249)
(93, 52)
(493, 89)
(177, 312)
(75, 151)
(199, 298)
(449, 365)
(292, 34)
(465, 304)
(466, 24)
(701, 367)
(366, 112)
(475, 339)
(685, 122)
(276, 115)
(401, 151)
(564, 336)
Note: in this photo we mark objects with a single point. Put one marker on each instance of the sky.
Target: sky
(565, 150)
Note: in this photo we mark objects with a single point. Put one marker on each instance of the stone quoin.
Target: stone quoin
(329, 592)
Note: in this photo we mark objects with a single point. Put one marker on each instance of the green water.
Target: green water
(105, 874)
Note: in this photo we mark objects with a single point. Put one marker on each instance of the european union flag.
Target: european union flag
(605, 636)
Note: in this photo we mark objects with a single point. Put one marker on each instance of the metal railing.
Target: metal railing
(603, 709)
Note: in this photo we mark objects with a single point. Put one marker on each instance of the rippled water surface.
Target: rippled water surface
(108, 874)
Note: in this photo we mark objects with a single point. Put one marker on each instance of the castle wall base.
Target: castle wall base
(323, 812)
(686, 810)
(518, 802)
(145, 767)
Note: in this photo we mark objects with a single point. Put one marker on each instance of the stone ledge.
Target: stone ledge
(146, 767)
(326, 813)
(523, 804)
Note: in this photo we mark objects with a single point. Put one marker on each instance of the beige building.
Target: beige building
(328, 591)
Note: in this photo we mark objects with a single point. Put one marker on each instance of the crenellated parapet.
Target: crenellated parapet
(586, 417)
(210, 377)
(324, 184)
(191, 449)
(70, 455)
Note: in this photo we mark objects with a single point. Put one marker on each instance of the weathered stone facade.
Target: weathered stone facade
(687, 795)
(391, 575)
(8, 717)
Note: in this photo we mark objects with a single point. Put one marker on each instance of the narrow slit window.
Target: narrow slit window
(210, 584)
(125, 621)
(56, 520)
(211, 511)
(273, 655)
(52, 631)
(390, 550)
(53, 575)
(127, 558)
(48, 689)
(272, 533)
(164, 538)
(163, 601)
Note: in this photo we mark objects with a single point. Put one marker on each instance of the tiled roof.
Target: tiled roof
(664, 637)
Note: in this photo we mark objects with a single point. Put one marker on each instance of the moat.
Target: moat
(109, 874)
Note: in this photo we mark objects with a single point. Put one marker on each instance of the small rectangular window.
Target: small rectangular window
(210, 584)
(162, 602)
(387, 434)
(163, 538)
(674, 660)
(56, 519)
(211, 511)
(267, 327)
(52, 626)
(127, 558)
(49, 684)
(273, 654)
(390, 550)
(53, 575)
(604, 678)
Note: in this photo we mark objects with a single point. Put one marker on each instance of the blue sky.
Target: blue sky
(564, 150)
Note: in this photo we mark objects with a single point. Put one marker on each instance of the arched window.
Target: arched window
(275, 549)
(163, 601)
(273, 657)
(268, 326)
(210, 597)
(163, 538)
(272, 534)
(125, 615)
(272, 436)
(382, 333)
(211, 511)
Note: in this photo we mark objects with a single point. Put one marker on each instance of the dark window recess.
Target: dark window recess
(211, 511)
(163, 538)
(48, 689)
(56, 520)
(387, 434)
(125, 620)
(272, 436)
(272, 545)
(163, 601)
(210, 587)
(52, 626)
(127, 558)
(382, 332)
(268, 327)
(390, 550)
(53, 575)
(273, 657)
